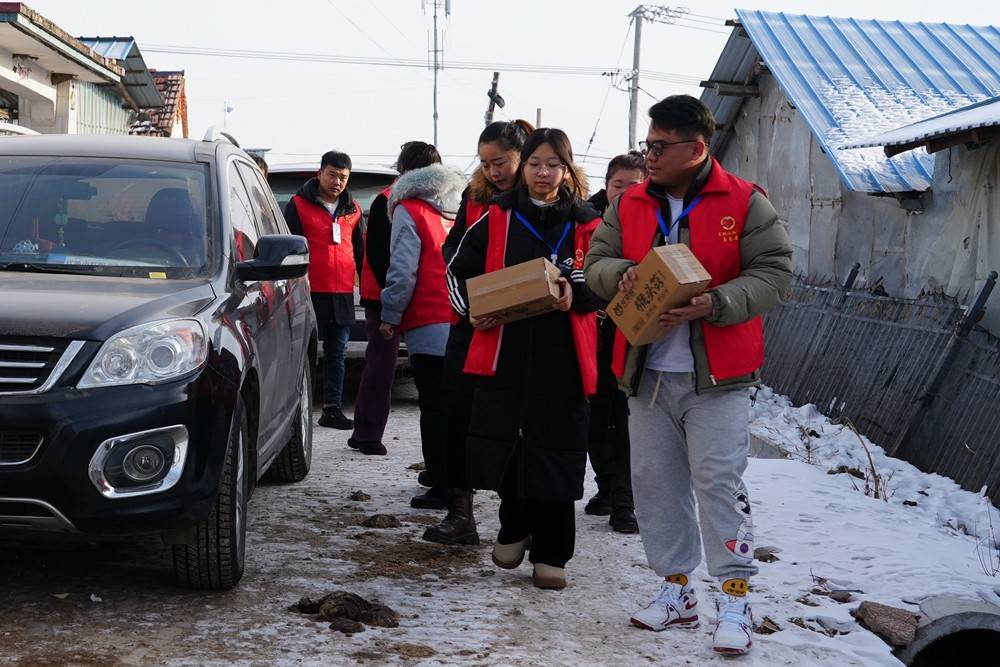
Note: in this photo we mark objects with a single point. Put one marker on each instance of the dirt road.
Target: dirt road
(116, 604)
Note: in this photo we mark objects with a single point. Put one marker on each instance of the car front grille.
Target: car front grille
(28, 364)
(18, 446)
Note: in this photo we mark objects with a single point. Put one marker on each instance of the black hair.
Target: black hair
(630, 160)
(509, 135)
(684, 114)
(562, 147)
(416, 154)
(259, 161)
(335, 159)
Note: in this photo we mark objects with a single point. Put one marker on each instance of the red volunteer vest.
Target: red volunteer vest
(331, 265)
(370, 291)
(484, 349)
(716, 226)
(473, 212)
(429, 303)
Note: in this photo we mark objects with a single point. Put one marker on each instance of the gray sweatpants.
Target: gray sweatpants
(684, 446)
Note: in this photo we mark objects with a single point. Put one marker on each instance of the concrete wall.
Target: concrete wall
(32, 84)
(949, 248)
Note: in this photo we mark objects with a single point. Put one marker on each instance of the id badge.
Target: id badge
(336, 232)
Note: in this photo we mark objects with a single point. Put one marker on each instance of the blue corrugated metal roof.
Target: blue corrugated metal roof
(852, 79)
(973, 117)
(138, 81)
(118, 48)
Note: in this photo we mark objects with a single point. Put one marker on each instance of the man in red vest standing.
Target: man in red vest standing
(324, 212)
(689, 404)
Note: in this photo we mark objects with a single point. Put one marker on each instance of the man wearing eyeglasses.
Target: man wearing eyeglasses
(688, 390)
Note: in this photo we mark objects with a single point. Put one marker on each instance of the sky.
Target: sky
(299, 109)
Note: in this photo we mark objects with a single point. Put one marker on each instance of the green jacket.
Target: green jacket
(764, 281)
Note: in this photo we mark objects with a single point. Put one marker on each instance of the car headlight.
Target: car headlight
(148, 354)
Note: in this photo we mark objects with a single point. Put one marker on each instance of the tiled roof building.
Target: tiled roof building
(171, 119)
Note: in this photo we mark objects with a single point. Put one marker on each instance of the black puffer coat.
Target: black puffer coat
(534, 408)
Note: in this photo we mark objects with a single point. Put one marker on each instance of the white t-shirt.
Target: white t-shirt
(672, 353)
(330, 206)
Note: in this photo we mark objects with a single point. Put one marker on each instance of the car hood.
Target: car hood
(92, 307)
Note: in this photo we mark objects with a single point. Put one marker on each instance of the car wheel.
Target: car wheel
(214, 560)
(294, 461)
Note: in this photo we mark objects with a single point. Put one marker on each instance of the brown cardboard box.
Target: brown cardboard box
(515, 292)
(669, 276)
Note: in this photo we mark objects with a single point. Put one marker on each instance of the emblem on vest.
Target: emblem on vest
(727, 231)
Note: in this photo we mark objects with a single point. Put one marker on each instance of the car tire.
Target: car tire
(294, 461)
(215, 559)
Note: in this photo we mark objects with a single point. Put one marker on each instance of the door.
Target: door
(287, 375)
(256, 309)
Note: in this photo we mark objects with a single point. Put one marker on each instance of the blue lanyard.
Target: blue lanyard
(534, 232)
(663, 225)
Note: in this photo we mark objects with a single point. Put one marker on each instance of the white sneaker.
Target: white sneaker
(675, 606)
(733, 625)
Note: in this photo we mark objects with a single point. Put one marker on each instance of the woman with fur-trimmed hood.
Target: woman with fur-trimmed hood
(422, 207)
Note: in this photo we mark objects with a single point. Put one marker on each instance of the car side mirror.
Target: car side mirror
(278, 257)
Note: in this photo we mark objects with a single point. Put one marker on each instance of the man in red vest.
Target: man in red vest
(324, 212)
(689, 404)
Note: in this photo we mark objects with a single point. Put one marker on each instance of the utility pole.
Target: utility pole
(438, 53)
(538, 117)
(653, 14)
(633, 89)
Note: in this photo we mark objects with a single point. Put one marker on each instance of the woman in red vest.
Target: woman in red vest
(415, 302)
(528, 432)
(499, 152)
(371, 411)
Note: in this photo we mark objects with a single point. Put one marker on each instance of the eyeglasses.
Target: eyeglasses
(657, 147)
(553, 166)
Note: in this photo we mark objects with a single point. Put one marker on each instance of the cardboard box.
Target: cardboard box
(669, 276)
(516, 292)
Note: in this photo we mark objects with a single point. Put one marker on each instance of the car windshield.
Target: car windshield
(100, 215)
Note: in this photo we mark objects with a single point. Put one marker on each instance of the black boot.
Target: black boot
(598, 505)
(432, 499)
(334, 417)
(459, 526)
(367, 448)
(623, 520)
(424, 478)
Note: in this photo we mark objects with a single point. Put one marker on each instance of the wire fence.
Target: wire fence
(918, 377)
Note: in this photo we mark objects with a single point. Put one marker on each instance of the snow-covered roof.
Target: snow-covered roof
(973, 117)
(851, 79)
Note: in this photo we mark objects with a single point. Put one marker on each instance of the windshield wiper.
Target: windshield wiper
(28, 267)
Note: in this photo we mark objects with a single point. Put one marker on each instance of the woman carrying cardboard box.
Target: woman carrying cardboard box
(499, 150)
(528, 431)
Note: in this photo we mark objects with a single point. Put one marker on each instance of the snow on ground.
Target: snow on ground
(457, 608)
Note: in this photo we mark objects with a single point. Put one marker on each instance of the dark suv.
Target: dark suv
(156, 336)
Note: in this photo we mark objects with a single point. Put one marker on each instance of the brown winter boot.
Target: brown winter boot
(459, 525)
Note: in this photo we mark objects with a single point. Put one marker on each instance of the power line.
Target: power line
(607, 93)
(360, 29)
(705, 16)
(649, 93)
(374, 5)
(287, 56)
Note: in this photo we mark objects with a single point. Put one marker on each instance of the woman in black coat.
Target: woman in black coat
(528, 432)
(499, 151)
